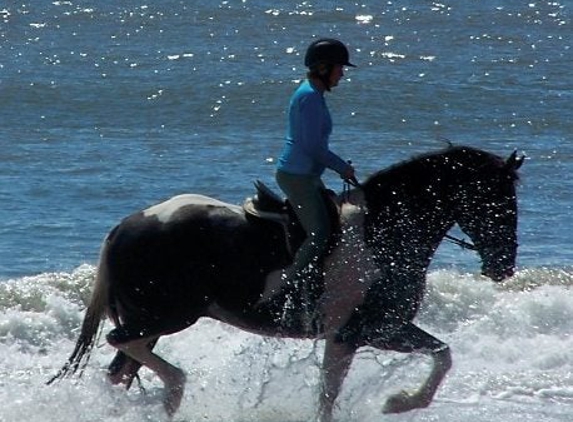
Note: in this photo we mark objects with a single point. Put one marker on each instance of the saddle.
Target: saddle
(267, 205)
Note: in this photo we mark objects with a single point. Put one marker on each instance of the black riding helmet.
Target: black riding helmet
(327, 51)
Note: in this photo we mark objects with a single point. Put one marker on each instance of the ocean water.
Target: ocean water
(108, 107)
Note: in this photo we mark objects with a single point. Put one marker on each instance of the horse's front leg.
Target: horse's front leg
(335, 366)
(412, 339)
(421, 398)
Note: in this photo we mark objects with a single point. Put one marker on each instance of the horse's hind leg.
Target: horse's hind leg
(173, 378)
(123, 369)
(412, 339)
(337, 360)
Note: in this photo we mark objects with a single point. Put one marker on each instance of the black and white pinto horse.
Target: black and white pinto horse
(192, 256)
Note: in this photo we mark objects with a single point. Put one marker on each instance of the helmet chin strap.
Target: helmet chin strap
(324, 72)
(326, 82)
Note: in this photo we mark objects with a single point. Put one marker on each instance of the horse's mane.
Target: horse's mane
(470, 158)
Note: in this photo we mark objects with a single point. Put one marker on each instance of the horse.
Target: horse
(193, 256)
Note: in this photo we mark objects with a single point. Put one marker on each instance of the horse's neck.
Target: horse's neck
(407, 227)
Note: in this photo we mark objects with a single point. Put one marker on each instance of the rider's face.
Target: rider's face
(336, 74)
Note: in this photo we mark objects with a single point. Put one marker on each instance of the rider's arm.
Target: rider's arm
(315, 130)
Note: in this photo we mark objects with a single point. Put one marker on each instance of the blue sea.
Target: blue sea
(109, 107)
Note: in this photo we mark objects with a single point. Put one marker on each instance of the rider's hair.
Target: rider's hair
(321, 71)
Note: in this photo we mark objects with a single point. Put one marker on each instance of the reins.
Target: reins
(347, 184)
(460, 242)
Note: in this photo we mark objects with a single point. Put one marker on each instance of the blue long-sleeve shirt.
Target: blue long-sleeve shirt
(306, 150)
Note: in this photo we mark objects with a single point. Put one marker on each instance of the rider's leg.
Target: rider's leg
(305, 195)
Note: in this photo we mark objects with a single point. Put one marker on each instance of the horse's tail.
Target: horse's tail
(95, 313)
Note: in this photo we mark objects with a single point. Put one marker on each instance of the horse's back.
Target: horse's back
(166, 211)
(171, 256)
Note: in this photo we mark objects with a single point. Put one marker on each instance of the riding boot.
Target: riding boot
(312, 290)
(274, 283)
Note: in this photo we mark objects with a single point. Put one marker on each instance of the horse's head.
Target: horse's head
(413, 204)
(487, 213)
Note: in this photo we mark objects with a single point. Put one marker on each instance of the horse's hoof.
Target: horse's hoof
(174, 392)
(403, 402)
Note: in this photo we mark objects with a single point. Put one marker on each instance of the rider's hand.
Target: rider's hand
(349, 174)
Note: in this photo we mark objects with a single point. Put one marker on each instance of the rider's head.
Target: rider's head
(323, 57)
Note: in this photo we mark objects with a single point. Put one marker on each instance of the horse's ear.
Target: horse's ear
(514, 162)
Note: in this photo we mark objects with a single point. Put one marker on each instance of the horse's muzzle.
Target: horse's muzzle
(498, 274)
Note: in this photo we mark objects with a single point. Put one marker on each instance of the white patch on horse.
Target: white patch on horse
(350, 268)
(165, 211)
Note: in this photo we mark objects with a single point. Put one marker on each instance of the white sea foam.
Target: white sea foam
(513, 356)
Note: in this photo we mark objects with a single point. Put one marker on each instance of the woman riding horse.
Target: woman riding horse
(192, 256)
(306, 155)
